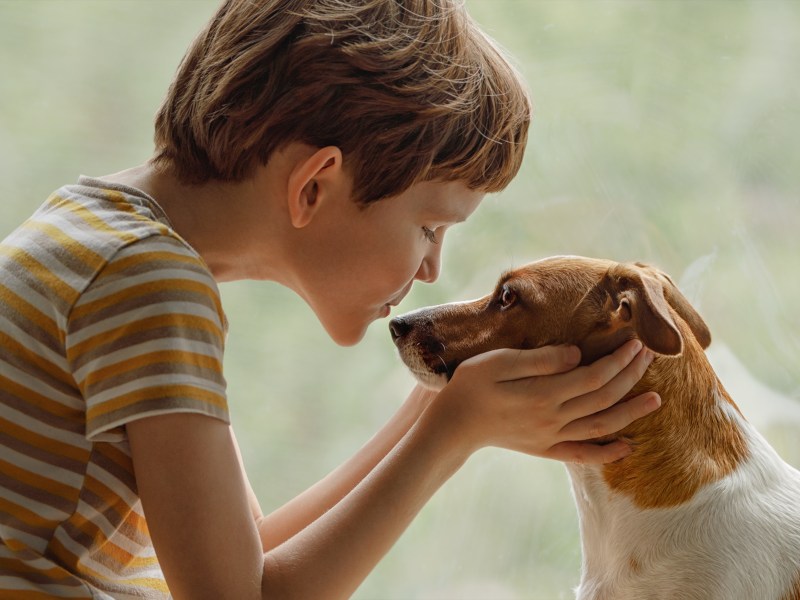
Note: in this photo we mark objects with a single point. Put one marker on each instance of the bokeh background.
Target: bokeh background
(665, 131)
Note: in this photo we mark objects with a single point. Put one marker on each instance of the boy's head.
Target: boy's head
(409, 90)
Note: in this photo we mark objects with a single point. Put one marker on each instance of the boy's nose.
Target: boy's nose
(429, 268)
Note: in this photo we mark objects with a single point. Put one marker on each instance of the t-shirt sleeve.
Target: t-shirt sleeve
(147, 337)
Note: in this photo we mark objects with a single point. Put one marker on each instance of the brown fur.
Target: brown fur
(794, 592)
(635, 565)
(686, 444)
(599, 305)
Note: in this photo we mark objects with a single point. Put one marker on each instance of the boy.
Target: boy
(324, 144)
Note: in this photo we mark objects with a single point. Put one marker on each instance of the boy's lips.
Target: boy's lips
(399, 298)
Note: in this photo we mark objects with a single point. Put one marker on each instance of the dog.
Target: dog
(703, 508)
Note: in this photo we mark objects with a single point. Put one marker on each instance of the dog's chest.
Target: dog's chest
(724, 543)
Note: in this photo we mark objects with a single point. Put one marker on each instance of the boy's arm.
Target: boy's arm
(291, 518)
(179, 457)
(196, 498)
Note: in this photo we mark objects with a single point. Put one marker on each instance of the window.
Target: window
(664, 132)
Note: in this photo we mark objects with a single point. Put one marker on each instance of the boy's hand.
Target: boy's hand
(538, 402)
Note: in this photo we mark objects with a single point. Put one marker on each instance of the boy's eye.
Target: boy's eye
(430, 235)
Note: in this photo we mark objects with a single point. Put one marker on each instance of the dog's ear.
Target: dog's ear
(624, 304)
(633, 300)
(637, 300)
(681, 305)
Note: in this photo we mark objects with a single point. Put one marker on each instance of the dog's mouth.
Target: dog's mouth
(442, 367)
(426, 358)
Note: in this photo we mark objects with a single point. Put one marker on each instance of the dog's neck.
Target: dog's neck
(700, 486)
(692, 440)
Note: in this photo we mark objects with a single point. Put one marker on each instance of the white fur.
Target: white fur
(729, 542)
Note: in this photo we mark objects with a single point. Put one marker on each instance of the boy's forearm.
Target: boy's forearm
(291, 518)
(333, 555)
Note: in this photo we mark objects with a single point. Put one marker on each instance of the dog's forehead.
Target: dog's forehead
(561, 267)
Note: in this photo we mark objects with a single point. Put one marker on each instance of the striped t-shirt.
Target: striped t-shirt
(106, 316)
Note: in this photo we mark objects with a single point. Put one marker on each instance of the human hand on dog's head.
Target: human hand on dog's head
(541, 403)
(535, 312)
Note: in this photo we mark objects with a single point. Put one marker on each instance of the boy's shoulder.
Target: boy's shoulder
(94, 211)
(94, 227)
(105, 217)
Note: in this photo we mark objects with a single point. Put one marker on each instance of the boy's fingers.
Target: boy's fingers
(547, 360)
(612, 419)
(589, 453)
(590, 378)
(611, 392)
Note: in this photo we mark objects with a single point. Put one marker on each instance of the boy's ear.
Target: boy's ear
(311, 181)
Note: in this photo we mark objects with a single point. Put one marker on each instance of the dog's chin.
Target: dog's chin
(429, 380)
(422, 372)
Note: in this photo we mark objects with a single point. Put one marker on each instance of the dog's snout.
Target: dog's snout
(399, 327)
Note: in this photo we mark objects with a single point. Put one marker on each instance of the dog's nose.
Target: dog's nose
(399, 327)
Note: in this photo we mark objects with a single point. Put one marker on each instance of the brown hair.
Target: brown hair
(409, 90)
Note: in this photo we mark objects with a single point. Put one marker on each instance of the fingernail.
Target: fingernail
(624, 452)
(637, 345)
(650, 356)
(573, 355)
(653, 402)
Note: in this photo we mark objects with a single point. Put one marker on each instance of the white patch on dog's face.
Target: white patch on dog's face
(410, 355)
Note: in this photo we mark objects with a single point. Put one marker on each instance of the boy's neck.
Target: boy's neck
(234, 226)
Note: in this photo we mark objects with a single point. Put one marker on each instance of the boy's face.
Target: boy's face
(366, 260)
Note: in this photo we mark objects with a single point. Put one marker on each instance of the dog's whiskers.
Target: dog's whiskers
(444, 364)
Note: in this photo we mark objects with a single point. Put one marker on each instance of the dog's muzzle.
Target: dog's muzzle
(420, 349)
(399, 327)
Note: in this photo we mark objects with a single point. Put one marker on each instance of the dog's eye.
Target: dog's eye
(507, 298)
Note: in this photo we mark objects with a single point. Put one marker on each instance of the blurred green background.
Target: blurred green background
(664, 131)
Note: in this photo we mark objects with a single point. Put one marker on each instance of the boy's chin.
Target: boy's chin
(346, 334)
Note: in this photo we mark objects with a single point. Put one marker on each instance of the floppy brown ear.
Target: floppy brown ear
(625, 303)
(640, 304)
(681, 306)
(633, 301)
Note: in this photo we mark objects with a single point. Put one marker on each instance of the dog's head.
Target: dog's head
(595, 304)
